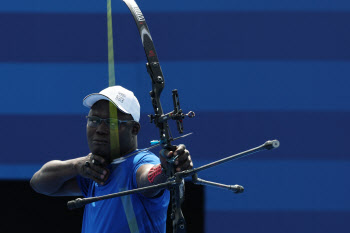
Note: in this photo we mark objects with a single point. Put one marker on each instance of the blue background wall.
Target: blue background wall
(252, 70)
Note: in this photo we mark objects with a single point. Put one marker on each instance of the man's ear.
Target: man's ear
(136, 128)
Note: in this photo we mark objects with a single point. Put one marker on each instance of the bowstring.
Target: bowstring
(113, 112)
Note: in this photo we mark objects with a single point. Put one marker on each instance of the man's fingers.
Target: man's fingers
(98, 160)
(187, 165)
(97, 177)
(99, 169)
(90, 172)
(98, 164)
(94, 168)
(94, 165)
(180, 149)
(165, 153)
(168, 154)
(183, 157)
(106, 175)
(94, 172)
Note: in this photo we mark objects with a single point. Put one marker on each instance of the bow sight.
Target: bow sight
(176, 115)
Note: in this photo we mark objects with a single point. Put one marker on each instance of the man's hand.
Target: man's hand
(183, 161)
(149, 174)
(93, 167)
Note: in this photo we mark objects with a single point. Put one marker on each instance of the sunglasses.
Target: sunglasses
(112, 123)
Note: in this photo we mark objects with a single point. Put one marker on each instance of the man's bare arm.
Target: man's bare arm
(53, 175)
(58, 178)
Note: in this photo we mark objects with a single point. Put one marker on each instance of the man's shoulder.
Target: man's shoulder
(146, 156)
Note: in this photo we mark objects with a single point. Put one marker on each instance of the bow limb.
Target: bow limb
(159, 119)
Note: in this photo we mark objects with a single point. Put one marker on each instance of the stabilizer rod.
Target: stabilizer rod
(80, 202)
(272, 144)
(234, 188)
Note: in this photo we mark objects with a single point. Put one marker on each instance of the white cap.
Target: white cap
(122, 98)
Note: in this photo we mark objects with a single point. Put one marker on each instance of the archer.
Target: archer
(112, 128)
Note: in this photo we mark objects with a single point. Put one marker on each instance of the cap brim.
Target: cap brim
(93, 98)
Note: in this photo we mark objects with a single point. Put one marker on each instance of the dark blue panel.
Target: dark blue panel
(178, 36)
(173, 6)
(53, 37)
(303, 135)
(38, 139)
(286, 222)
(280, 185)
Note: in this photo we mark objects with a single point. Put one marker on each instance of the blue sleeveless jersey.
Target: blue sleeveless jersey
(132, 213)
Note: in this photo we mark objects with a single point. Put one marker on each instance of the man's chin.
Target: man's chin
(103, 153)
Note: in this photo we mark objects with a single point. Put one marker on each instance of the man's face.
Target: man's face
(106, 142)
